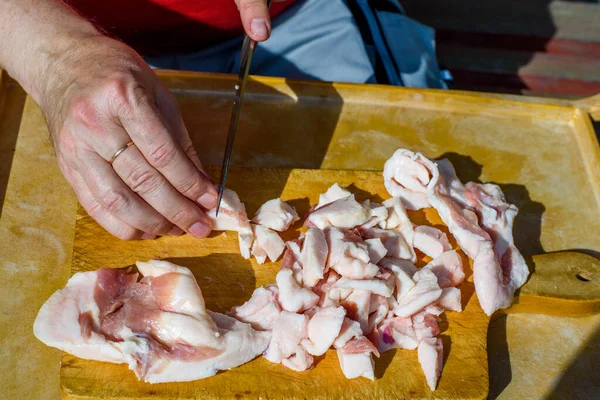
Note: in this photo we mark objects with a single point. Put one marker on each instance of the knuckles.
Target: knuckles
(144, 181)
(161, 154)
(114, 201)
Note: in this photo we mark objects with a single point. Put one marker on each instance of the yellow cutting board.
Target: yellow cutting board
(226, 279)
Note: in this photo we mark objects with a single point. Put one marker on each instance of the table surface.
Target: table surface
(36, 226)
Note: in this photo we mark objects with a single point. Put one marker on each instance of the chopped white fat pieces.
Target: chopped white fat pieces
(349, 282)
(276, 214)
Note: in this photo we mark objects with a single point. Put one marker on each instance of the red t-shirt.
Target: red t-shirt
(165, 26)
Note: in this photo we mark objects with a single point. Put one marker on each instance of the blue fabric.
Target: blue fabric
(412, 47)
(405, 49)
(321, 39)
(313, 39)
(379, 43)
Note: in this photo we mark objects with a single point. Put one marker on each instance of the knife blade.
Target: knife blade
(246, 56)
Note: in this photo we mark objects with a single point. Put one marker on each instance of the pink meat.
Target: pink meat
(262, 310)
(357, 306)
(323, 328)
(498, 268)
(450, 299)
(395, 333)
(360, 345)
(425, 324)
(425, 292)
(406, 175)
(393, 241)
(349, 330)
(431, 358)
(300, 361)
(431, 241)
(447, 268)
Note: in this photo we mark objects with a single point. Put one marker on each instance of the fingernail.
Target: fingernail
(208, 200)
(259, 28)
(199, 230)
(175, 231)
(148, 236)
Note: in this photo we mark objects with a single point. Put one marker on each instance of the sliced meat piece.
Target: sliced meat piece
(450, 299)
(342, 213)
(323, 328)
(232, 214)
(245, 242)
(158, 326)
(398, 219)
(376, 250)
(262, 310)
(406, 175)
(357, 306)
(352, 268)
(69, 319)
(165, 338)
(338, 294)
(497, 217)
(403, 271)
(495, 278)
(360, 345)
(232, 217)
(295, 247)
(350, 259)
(379, 214)
(378, 310)
(425, 292)
(292, 296)
(174, 289)
(375, 286)
(350, 329)
(300, 361)
(240, 344)
(431, 358)
(276, 214)
(288, 331)
(396, 333)
(425, 323)
(267, 243)
(335, 192)
(394, 243)
(322, 289)
(356, 360)
(431, 241)
(447, 268)
(314, 256)
(291, 259)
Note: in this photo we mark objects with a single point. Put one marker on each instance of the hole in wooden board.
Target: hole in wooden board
(584, 275)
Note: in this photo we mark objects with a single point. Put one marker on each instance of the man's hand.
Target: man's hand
(255, 18)
(98, 96)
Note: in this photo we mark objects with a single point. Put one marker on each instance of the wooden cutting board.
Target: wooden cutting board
(567, 286)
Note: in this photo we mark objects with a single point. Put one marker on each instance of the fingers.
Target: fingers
(114, 196)
(151, 134)
(152, 186)
(169, 108)
(255, 18)
(112, 224)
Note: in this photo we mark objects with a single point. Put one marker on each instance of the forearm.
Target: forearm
(31, 33)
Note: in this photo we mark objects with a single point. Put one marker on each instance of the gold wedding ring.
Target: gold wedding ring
(118, 152)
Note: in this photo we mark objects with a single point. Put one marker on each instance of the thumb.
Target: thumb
(255, 18)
